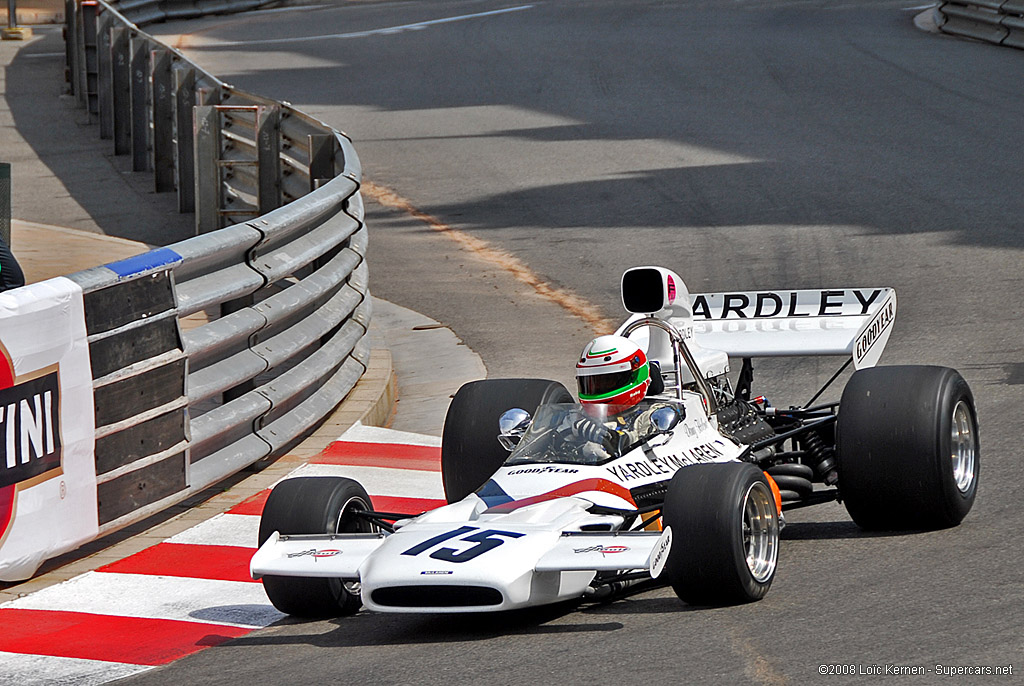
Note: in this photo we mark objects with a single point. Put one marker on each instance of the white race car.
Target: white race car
(686, 488)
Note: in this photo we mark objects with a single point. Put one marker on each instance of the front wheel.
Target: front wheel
(725, 530)
(314, 505)
(907, 448)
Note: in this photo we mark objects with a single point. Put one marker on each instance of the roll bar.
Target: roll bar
(680, 352)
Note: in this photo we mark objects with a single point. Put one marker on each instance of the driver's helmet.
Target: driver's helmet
(612, 370)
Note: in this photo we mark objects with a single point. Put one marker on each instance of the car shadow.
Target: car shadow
(376, 629)
(828, 531)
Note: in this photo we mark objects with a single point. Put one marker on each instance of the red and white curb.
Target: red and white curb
(192, 591)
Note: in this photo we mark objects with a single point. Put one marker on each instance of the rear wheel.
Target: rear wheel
(725, 527)
(470, 451)
(314, 505)
(908, 450)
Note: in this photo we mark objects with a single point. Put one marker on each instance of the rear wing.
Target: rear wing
(851, 321)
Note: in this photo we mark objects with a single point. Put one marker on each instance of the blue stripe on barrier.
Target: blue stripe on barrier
(161, 257)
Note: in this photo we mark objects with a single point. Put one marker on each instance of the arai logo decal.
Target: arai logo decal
(315, 553)
(603, 549)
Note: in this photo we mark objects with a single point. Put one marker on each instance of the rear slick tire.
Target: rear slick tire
(725, 531)
(314, 505)
(907, 448)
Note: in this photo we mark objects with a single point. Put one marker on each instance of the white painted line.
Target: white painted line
(360, 433)
(224, 529)
(403, 483)
(281, 10)
(45, 670)
(208, 601)
(920, 7)
(34, 55)
(374, 32)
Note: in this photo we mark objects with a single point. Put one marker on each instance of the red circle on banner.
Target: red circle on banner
(6, 368)
(7, 492)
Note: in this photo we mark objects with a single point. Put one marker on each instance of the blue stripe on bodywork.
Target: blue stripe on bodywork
(492, 494)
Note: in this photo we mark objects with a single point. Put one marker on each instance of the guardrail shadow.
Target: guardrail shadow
(93, 188)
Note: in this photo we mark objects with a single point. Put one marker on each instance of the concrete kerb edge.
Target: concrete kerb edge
(379, 383)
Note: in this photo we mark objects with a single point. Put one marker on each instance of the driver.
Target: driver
(613, 370)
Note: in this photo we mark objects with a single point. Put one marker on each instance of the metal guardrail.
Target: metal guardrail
(997, 22)
(227, 348)
(147, 11)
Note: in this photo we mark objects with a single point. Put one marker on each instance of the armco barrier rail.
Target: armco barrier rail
(221, 350)
(997, 22)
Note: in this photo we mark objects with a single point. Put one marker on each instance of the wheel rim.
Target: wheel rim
(353, 503)
(352, 588)
(760, 532)
(964, 446)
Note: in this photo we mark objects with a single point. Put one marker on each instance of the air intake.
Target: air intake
(436, 596)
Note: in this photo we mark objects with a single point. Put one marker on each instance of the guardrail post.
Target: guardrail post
(121, 89)
(89, 11)
(163, 121)
(268, 161)
(227, 308)
(140, 118)
(5, 202)
(321, 159)
(208, 186)
(70, 56)
(184, 101)
(78, 74)
(105, 80)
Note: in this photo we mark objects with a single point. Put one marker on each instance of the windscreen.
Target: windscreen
(582, 434)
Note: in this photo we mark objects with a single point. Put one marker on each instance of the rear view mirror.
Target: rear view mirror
(511, 427)
(665, 419)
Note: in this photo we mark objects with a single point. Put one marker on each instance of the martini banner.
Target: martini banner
(47, 427)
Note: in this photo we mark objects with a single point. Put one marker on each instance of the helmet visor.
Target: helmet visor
(601, 386)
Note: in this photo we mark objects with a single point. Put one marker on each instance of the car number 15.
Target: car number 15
(485, 540)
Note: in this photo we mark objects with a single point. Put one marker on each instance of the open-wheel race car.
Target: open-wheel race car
(666, 471)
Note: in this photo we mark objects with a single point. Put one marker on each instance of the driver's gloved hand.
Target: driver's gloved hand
(589, 430)
(595, 432)
(613, 441)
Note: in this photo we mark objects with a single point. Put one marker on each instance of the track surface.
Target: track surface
(746, 145)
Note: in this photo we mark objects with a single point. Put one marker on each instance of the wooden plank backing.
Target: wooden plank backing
(142, 487)
(136, 394)
(135, 345)
(142, 440)
(128, 301)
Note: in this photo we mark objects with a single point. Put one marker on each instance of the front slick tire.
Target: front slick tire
(725, 531)
(313, 505)
(908, 450)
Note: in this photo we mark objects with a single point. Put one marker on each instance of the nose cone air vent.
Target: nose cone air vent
(436, 596)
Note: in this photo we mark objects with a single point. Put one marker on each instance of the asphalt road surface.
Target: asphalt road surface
(744, 144)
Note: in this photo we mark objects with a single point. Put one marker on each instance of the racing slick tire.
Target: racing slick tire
(725, 527)
(907, 448)
(470, 451)
(313, 505)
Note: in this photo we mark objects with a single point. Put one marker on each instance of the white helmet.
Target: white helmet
(612, 370)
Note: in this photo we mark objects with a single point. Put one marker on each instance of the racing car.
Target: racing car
(550, 499)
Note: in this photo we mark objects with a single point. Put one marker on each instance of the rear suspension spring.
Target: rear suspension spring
(821, 456)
